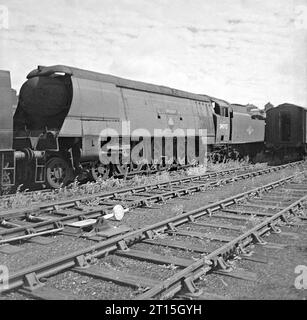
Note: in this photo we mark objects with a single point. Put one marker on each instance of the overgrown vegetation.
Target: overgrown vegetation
(22, 199)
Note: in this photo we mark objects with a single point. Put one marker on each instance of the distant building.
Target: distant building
(268, 106)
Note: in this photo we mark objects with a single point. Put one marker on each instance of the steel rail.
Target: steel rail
(5, 197)
(57, 223)
(195, 270)
(83, 256)
(68, 203)
(119, 175)
(131, 174)
(52, 205)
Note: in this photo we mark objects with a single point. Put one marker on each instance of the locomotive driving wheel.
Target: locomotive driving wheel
(152, 168)
(99, 171)
(58, 173)
(122, 169)
(135, 167)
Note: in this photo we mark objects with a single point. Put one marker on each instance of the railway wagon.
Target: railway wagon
(77, 118)
(286, 131)
(7, 156)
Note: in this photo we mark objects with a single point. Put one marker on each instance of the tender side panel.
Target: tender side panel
(247, 130)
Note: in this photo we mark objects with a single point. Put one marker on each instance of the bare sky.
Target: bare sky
(243, 51)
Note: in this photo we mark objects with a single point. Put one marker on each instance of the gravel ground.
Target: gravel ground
(275, 280)
(33, 254)
(138, 218)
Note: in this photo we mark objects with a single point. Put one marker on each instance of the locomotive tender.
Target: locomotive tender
(67, 118)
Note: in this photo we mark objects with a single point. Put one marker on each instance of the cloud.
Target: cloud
(193, 30)
(238, 50)
(234, 21)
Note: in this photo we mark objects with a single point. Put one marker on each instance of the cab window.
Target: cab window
(222, 111)
(217, 108)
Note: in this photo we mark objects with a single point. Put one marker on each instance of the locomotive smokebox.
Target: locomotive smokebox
(44, 96)
(43, 103)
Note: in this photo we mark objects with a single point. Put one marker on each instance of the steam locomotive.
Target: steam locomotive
(71, 122)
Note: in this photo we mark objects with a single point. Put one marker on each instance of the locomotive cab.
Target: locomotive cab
(222, 120)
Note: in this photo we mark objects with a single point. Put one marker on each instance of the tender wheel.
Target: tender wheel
(58, 173)
(99, 171)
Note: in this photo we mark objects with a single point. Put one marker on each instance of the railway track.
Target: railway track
(84, 216)
(227, 226)
(127, 176)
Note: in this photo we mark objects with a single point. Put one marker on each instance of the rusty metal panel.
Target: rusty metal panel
(247, 130)
(6, 111)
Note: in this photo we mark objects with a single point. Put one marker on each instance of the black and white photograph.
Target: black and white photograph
(153, 153)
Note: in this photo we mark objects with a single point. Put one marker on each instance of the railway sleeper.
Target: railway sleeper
(50, 293)
(256, 237)
(154, 258)
(200, 235)
(119, 277)
(246, 212)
